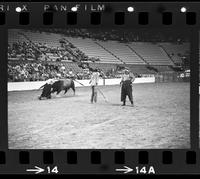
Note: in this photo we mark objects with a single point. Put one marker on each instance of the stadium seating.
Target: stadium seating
(151, 53)
(121, 51)
(51, 39)
(109, 51)
(115, 52)
(91, 49)
(14, 36)
(174, 49)
(103, 66)
(140, 69)
(163, 68)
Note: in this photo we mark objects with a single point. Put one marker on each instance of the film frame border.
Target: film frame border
(97, 161)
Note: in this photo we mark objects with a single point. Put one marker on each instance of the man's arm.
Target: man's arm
(91, 79)
(133, 78)
(121, 81)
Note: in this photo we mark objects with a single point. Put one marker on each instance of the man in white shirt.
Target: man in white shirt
(94, 82)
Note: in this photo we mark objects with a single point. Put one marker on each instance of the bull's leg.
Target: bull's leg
(53, 90)
(66, 90)
(58, 91)
(74, 90)
(49, 97)
(73, 87)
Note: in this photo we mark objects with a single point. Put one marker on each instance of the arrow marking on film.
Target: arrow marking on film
(36, 170)
(125, 169)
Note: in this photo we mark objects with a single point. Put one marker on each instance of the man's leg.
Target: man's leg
(92, 96)
(95, 94)
(124, 102)
(130, 96)
(123, 95)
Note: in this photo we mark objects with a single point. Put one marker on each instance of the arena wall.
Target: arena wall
(34, 85)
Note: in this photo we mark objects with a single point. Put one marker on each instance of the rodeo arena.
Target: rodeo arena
(98, 89)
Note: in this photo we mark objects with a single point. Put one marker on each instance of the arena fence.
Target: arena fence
(34, 85)
(172, 77)
(157, 78)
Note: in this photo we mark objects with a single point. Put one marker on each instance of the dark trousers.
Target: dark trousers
(94, 94)
(126, 90)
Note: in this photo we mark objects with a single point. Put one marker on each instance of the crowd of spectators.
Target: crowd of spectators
(26, 71)
(38, 51)
(38, 71)
(22, 50)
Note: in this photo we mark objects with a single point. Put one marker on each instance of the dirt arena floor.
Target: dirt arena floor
(160, 119)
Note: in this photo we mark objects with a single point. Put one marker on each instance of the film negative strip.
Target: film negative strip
(99, 88)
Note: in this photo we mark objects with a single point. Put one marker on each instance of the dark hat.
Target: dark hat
(95, 70)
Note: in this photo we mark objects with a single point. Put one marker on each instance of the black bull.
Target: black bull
(63, 84)
(57, 86)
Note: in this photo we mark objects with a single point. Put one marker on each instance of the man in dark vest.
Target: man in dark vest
(126, 86)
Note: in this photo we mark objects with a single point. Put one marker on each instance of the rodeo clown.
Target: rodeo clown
(126, 86)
